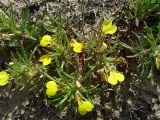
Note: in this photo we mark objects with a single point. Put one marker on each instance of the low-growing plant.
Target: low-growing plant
(69, 70)
(141, 37)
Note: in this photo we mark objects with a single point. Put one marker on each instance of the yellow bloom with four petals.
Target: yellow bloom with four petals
(52, 88)
(3, 78)
(84, 107)
(108, 28)
(45, 59)
(77, 47)
(115, 76)
(46, 40)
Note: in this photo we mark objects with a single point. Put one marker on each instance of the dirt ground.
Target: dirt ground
(135, 99)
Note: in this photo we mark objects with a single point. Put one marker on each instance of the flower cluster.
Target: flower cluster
(68, 61)
(84, 105)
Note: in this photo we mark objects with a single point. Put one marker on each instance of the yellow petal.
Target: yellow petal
(119, 76)
(52, 88)
(3, 82)
(77, 47)
(88, 105)
(46, 40)
(51, 84)
(3, 78)
(158, 62)
(111, 30)
(46, 59)
(51, 91)
(106, 23)
(43, 43)
(108, 28)
(112, 80)
(84, 107)
(81, 110)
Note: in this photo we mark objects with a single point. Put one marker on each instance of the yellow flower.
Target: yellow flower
(52, 88)
(46, 40)
(3, 78)
(108, 28)
(158, 62)
(77, 47)
(45, 59)
(84, 107)
(115, 76)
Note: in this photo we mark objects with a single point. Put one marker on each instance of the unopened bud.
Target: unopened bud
(103, 47)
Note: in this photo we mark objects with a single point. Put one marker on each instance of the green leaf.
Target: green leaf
(11, 19)
(126, 46)
(25, 19)
(66, 97)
